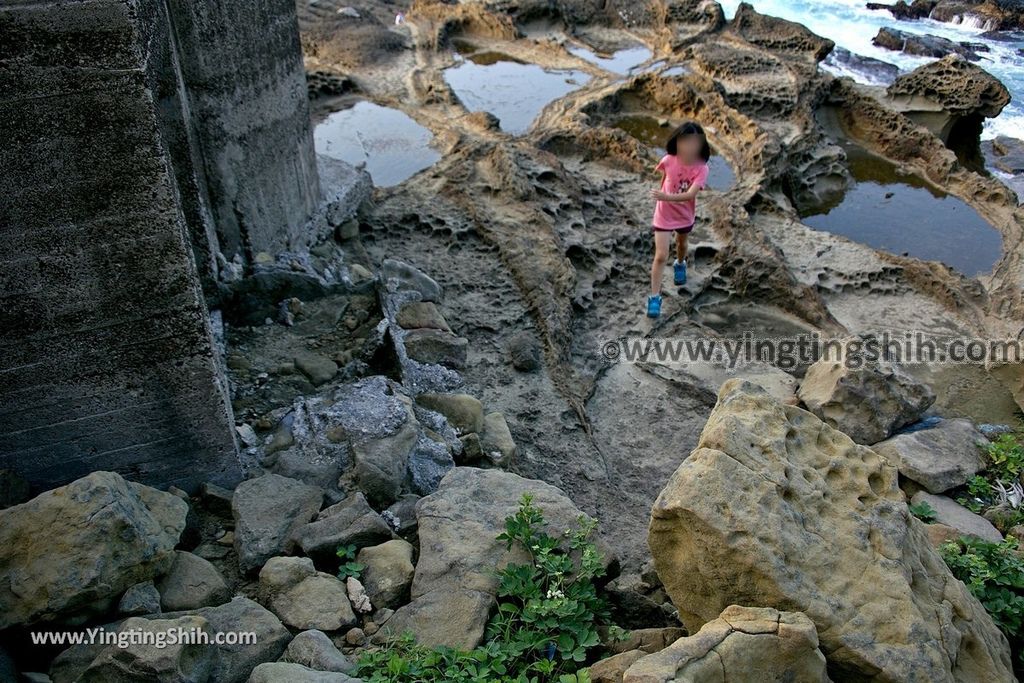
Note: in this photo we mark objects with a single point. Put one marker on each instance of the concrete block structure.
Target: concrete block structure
(141, 141)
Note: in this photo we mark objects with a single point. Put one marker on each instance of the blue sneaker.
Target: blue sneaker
(679, 272)
(654, 306)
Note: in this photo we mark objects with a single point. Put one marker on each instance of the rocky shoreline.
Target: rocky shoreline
(399, 387)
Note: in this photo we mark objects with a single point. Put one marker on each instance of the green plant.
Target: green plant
(1006, 457)
(980, 494)
(546, 623)
(993, 573)
(349, 566)
(923, 511)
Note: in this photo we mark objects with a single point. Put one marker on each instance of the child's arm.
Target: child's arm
(685, 196)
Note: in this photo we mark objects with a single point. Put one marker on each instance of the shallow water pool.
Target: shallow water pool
(903, 214)
(511, 90)
(391, 144)
(621, 62)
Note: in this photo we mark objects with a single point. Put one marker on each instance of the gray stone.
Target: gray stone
(867, 403)
(429, 461)
(192, 582)
(951, 513)
(315, 650)
(267, 512)
(387, 572)
(938, 458)
(234, 662)
(524, 352)
(409, 277)
(417, 315)
(177, 662)
(216, 499)
(285, 672)
(142, 598)
(464, 412)
(294, 464)
(401, 515)
(350, 522)
(82, 545)
(437, 347)
(304, 598)
(452, 617)
(319, 369)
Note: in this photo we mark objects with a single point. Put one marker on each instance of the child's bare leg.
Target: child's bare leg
(682, 242)
(662, 241)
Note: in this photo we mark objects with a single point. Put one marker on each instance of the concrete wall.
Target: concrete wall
(106, 358)
(241, 64)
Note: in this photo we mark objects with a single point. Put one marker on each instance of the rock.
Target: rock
(612, 669)
(234, 662)
(940, 533)
(216, 499)
(1005, 154)
(247, 435)
(176, 662)
(284, 672)
(357, 596)
(918, 9)
(401, 515)
(743, 518)
(952, 514)
(292, 463)
(496, 441)
(14, 490)
(419, 315)
(648, 640)
(302, 597)
(942, 94)
(743, 644)
(360, 273)
(142, 598)
(267, 512)
(926, 45)
(437, 347)
(82, 545)
(388, 572)
(319, 369)
(350, 522)
(524, 352)
(459, 553)
(778, 35)
(407, 277)
(453, 618)
(868, 403)
(192, 582)
(938, 458)
(315, 650)
(463, 411)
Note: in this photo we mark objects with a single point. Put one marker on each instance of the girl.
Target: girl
(684, 172)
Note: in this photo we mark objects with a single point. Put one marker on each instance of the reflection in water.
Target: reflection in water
(652, 133)
(903, 214)
(392, 145)
(514, 92)
(621, 62)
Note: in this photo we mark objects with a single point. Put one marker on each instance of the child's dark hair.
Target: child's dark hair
(687, 129)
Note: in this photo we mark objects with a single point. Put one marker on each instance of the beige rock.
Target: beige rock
(192, 582)
(612, 669)
(866, 403)
(417, 315)
(744, 644)
(496, 441)
(776, 508)
(952, 514)
(82, 545)
(648, 640)
(388, 572)
(463, 411)
(304, 598)
(143, 660)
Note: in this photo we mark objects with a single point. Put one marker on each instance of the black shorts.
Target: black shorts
(685, 230)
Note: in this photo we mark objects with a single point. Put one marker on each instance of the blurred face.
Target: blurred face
(688, 148)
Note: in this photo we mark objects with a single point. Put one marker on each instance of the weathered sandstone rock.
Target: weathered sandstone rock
(742, 644)
(952, 514)
(938, 458)
(388, 572)
(303, 597)
(192, 582)
(775, 508)
(315, 650)
(143, 661)
(82, 545)
(867, 403)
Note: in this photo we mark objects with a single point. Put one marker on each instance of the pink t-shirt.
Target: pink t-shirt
(678, 178)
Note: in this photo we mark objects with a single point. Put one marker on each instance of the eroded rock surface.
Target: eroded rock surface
(775, 508)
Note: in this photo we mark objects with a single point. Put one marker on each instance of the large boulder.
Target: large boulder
(775, 508)
(867, 402)
(938, 457)
(154, 656)
(942, 94)
(951, 514)
(743, 644)
(456, 576)
(268, 511)
(81, 546)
